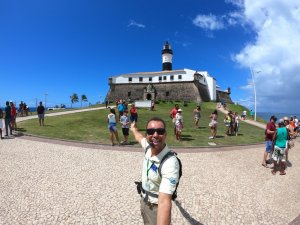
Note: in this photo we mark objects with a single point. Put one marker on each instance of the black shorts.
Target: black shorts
(125, 131)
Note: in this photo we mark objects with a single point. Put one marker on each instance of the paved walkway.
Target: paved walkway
(46, 183)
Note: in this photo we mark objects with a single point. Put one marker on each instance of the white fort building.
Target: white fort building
(168, 84)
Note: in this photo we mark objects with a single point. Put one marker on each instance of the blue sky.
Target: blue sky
(59, 47)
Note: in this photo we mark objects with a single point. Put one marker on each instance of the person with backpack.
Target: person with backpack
(160, 174)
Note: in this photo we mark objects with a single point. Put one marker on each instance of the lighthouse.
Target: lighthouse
(167, 55)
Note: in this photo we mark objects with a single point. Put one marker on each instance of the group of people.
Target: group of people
(23, 109)
(177, 119)
(232, 123)
(279, 140)
(9, 115)
(124, 119)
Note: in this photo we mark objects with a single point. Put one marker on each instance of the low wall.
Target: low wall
(143, 104)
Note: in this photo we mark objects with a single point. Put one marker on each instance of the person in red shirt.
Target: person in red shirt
(133, 113)
(173, 113)
(269, 134)
(13, 116)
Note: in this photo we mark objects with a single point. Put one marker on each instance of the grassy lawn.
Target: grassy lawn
(92, 126)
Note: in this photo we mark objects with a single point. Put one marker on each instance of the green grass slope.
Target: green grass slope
(92, 126)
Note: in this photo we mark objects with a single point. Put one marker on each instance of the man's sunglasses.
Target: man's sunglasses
(160, 131)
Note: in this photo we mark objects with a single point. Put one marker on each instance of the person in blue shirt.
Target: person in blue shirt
(121, 109)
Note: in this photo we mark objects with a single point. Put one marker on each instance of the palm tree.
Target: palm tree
(74, 98)
(83, 99)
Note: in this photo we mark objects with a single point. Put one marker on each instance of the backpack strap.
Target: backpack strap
(166, 156)
(147, 148)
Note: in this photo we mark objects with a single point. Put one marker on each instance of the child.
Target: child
(1, 123)
(178, 124)
(124, 120)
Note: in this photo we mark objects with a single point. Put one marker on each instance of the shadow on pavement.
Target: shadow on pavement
(186, 215)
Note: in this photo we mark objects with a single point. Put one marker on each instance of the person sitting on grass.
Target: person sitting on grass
(124, 120)
(112, 126)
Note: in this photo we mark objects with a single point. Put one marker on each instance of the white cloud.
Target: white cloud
(135, 24)
(275, 52)
(208, 22)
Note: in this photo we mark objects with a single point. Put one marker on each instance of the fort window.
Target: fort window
(179, 77)
(140, 79)
(165, 77)
(129, 79)
(171, 77)
(150, 78)
(160, 78)
(167, 94)
(129, 93)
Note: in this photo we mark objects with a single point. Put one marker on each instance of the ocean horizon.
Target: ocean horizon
(266, 115)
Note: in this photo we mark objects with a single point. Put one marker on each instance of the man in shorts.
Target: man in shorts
(41, 113)
(269, 134)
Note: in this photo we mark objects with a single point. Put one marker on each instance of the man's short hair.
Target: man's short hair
(156, 119)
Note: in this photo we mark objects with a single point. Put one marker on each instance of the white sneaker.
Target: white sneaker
(211, 137)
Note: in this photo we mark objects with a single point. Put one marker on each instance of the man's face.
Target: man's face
(156, 137)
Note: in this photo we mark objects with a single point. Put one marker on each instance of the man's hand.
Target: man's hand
(137, 135)
(133, 126)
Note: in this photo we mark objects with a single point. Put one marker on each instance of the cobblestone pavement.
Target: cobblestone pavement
(46, 183)
(55, 182)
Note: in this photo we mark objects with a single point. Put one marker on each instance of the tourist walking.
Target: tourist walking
(228, 122)
(124, 120)
(236, 123)
(280, 147)
(106, 103)
(213, 124)
(269, 135)
(133, 113)
(291, 134)
(121, 109)
(173, 113)
(197, 116)
(13, 116)
(41, 113)
(179, 124)
(1, 122)
(7, 118)
(112, 126)
(156, 191)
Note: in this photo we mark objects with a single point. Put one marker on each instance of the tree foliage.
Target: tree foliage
(83, 99)
(74, 98)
